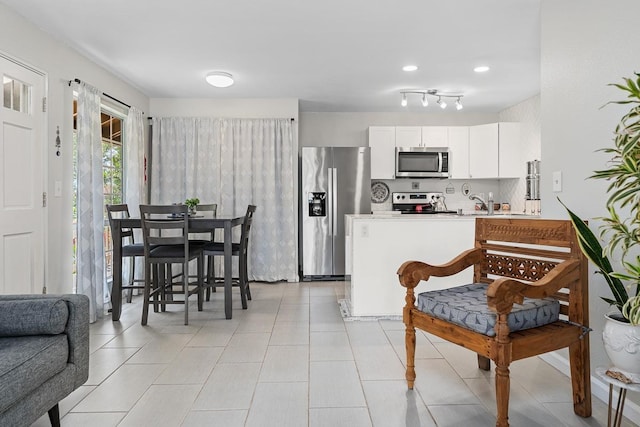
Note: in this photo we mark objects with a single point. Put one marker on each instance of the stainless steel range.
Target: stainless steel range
(419, 203)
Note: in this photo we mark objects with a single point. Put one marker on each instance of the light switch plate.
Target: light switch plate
(557, 181)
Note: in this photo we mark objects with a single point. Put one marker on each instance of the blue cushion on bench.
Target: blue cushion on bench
(466, 306)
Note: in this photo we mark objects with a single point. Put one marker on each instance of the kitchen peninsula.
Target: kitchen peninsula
(378, 244)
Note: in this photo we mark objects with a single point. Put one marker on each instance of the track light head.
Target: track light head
(442, 103)
(425, 101)
(459, 104)
(404, 100)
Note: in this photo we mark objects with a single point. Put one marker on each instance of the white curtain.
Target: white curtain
(234, 163)
(90, 202)
(135, 182)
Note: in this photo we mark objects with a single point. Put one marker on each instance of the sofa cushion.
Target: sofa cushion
(27, 362)
(33, 317)
(466, 306)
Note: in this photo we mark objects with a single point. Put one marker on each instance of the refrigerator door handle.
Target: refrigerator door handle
(334, 203)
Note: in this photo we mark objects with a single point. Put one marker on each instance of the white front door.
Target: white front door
(22, 213)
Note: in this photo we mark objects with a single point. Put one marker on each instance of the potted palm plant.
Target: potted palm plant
(621, 232)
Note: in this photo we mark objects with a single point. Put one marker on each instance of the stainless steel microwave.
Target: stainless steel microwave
(422, 162)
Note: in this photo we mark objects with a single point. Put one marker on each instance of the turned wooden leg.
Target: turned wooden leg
(503, 359)
(410, 345)
(581, 376)
(502, 395)
(484, 363)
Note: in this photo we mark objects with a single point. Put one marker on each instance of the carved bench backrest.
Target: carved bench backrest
(526, 250)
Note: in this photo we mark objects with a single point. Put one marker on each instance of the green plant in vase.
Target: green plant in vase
(192, 204)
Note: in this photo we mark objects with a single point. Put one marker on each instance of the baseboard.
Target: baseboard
(599, 388)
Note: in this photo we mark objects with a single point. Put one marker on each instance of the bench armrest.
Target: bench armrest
(503, 293)
(412, 272)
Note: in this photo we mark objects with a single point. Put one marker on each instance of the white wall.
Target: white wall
(230, 108)
(23, 41)
(350, 129)
(585, 46)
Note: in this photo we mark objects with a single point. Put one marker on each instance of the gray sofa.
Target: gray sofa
(44, 354)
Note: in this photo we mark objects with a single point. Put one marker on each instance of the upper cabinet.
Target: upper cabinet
(495, 151)
(408, 136)
(511, 162)
(382, 140)
(422, 136)
(458, 143)
(491, 151)
(483, 151)
(435, 136)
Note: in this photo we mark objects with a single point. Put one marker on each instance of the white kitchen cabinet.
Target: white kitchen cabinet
(511, 163)
(458, 143)
(483, 151)
(382, 141)
(435, 136)
(408, 136)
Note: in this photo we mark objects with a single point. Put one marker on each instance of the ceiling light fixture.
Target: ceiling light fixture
(481, 69)
(433, 92)
(219, 79)
(410, 68)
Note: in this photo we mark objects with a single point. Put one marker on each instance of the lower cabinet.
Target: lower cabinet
(378, 245)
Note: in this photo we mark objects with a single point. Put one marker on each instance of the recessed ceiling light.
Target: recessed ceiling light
(481, 69)
(219, 79)
(409, 68)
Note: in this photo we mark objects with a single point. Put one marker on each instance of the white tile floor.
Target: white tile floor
(291, 360)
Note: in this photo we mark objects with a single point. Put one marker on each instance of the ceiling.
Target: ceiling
(333, 55)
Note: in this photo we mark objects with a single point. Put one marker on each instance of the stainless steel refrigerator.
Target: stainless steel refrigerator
(335, 181)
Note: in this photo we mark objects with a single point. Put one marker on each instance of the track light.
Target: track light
(433, 92)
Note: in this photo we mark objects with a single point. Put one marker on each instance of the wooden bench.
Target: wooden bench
(517, 258)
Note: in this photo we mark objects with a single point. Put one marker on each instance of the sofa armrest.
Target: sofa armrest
(76, 329)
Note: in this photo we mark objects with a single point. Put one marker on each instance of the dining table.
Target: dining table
(196, 225)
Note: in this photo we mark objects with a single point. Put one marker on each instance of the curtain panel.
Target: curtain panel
(91, 280)
(134, 178)
(234, 163)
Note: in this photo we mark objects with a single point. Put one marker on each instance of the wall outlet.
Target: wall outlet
(364, 231)
(415, 185)
(466, 189)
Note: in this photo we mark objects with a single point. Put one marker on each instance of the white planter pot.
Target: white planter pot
(622, 345)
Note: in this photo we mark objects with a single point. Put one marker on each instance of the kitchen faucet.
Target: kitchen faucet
(484, 206)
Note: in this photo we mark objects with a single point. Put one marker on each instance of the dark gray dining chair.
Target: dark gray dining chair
(240, 250)
(200, 238)
(130, 250)
(165, 231)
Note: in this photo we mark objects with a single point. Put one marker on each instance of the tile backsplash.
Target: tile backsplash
(505, 191)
